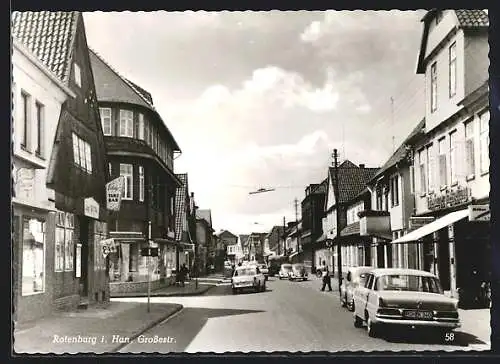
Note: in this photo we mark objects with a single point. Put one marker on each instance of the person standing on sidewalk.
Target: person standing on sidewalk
(325, 275)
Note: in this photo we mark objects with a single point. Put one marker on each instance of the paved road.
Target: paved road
(289, 316)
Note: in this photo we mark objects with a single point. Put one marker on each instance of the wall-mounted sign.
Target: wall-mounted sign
(78, 261)
(24, 182)
(114, 191)
(479, 213)
(108, 246)
(91, 208)
(450, 198)
(417, 222)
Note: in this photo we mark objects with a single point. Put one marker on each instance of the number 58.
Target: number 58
(449, 336)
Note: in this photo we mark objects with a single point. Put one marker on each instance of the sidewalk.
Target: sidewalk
(97, 329)
(189, 289)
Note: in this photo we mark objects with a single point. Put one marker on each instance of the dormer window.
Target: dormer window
(78, 75)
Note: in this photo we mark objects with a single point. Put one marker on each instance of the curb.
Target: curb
(141, 294)
(148, 327)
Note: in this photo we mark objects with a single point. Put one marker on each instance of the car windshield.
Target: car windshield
(247, 271)
(286, 267)
(405, 282)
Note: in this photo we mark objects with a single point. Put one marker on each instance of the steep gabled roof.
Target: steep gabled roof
(180, 205)
(352, 179)
(467, 19)
(401, 152)
(49, 35)
(111, 86)
(205, 215)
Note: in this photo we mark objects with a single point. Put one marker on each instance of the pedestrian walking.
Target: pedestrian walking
(325, 274)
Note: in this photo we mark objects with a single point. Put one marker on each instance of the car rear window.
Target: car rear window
(406, 282)
(245, 272)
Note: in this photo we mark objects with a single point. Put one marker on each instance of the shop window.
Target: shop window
(64, 244)
(33, 268)
(133, 257)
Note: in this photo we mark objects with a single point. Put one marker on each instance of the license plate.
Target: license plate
(418, 314)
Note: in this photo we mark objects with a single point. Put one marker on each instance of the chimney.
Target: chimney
(361, 166)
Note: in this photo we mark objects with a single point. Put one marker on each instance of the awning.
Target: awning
(351, 229)
(434, 226)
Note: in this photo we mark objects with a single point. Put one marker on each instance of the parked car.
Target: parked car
(284, 272)
(248, 277)
(403, 297)
(264, 270)
(298, 272)
(355, 277)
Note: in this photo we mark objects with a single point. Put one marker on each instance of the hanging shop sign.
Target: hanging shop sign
(114, 191)
(450, 198)
(479, 213)
(108, 246)
(91, 208)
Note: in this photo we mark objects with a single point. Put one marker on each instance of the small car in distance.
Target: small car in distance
(285, 270)
(298, 272)
(248, 277)
(403, 298)
(355, 277)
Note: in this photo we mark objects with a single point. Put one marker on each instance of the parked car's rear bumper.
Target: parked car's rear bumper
(421, 323)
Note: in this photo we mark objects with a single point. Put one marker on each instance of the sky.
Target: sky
(261, 99)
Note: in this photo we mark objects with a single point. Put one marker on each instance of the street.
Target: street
(289, 316)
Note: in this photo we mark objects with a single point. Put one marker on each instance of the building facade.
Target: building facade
(66, 241)
(312, 214)
(204, 233)
(183, 212)
(140, 149)
(451, 162)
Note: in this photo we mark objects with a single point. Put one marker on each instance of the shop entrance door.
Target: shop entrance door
(444, 259)
(84, 234)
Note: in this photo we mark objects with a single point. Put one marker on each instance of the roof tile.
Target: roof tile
(352, 179)
(472, 18)
(180, 206)
(49, 35)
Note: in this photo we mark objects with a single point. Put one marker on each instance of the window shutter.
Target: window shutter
(432, 168)
(412, 180)
(469, 145)
(442, 170)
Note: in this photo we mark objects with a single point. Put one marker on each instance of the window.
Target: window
(78, 75)
(412, 180)
(443, 171)
(379, 198)
(82, 153)
(484, 141)
(64, 245)
(126, 123)
(452, 84)
(423, 171)
(33, 260)
(147, 132)
(141, 183)
(106, 120)
(126, 171)
(469, 147)
(433, 87)
(133, 257)
(25, 120)
(99, 234)
(110, 169)
(430, 168)
(39, 129)
(453, 157)
(394, 185)
(141, 127)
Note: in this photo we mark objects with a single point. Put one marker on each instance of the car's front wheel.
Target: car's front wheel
(374, 330)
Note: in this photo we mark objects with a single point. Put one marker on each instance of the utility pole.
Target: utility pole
(337, 213)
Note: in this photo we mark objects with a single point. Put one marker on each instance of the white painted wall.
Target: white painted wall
(30, 76)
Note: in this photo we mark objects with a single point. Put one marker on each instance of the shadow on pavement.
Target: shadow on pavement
(455, 338)
(182, 328)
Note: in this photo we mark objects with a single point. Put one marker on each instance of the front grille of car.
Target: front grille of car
(446, 314)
